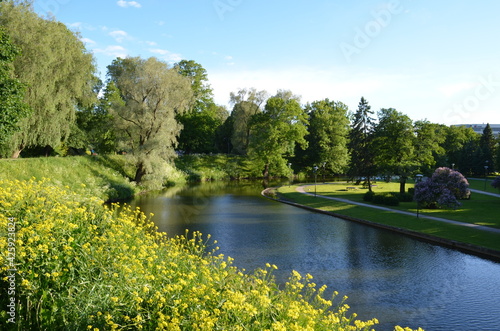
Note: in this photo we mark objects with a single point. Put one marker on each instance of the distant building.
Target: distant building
(479, 128)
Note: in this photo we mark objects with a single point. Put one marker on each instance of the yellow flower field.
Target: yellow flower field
(69, 263)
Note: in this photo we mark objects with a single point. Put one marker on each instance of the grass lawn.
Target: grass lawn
(481, 184)
(481, 210)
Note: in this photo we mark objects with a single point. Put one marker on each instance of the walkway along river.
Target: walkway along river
(397, 279)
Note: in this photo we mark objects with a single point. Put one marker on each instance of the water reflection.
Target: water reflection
(396, 279)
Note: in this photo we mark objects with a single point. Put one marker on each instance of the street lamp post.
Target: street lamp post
(485, 175)
(418, 179)
(315, 177)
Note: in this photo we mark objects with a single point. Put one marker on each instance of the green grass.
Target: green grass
(481, 210)
(483, 185)
(104, 177)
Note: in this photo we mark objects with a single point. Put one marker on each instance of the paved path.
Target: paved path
(486, 193)
(302, 189)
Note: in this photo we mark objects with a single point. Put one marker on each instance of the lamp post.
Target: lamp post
(485, 174)
(418, 179)
(315, 175)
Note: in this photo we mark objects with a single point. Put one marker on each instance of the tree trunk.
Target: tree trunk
(265, 172)
(16, 153)
(139, 173)
(402, 183)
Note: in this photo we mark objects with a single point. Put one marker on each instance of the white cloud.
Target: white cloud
(167, 55)
(113, 50)
(119, 35)
(88, 41)
(125, 4)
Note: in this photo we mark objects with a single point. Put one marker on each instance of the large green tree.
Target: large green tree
(57, 70)
(429, 140)
(362, 156)
(462, 149)
(12, 107)
(328, 135)
(275, 132)
(151, 96)
(246, 104)
(487, 144)
(394, 145)
(200, 123)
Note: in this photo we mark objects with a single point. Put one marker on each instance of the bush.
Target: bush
(496, 182)
(443, 189)
(405, 197)
(368, 196)
(388, 199)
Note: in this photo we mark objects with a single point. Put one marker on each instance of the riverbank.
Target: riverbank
(470, 239)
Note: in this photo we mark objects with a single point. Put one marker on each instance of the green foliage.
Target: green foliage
(487, 144)
(57, 70)
(327, 139)
(394, 145)
(12, 107)
(94, 128)
(361, 142)
(275, 132)
(216, 167)
(429, 141)
(368, 196)
(199, 131)
(152, 96)
(388, 199)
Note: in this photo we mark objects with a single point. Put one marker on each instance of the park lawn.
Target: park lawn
(426, 226)
(482, 185)
(481, 209)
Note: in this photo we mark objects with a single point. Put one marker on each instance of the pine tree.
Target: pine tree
(487, 145)
(360, 143)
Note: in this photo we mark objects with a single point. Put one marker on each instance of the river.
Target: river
(396, 279)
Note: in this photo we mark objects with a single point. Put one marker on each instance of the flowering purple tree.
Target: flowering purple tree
(496, 182)
(443, 189)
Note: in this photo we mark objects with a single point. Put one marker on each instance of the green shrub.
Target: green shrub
(388, 199)
(405, 197)
(368, 196)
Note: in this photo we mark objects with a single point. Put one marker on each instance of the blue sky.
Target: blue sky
(434, 60)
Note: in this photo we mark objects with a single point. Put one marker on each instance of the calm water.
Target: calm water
(398, 280)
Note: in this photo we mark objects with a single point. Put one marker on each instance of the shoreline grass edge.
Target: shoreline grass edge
(485, 252)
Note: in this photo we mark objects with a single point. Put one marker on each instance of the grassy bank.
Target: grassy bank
(105, 177)
(76, 265)
(481, 210)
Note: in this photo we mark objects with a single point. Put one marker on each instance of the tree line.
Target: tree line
(52, 102)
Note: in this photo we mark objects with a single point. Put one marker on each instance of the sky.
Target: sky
(431, 60)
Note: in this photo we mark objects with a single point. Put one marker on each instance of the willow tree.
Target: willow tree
(246, 104)
(12, 107)
(57, 70)
(151, 95)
